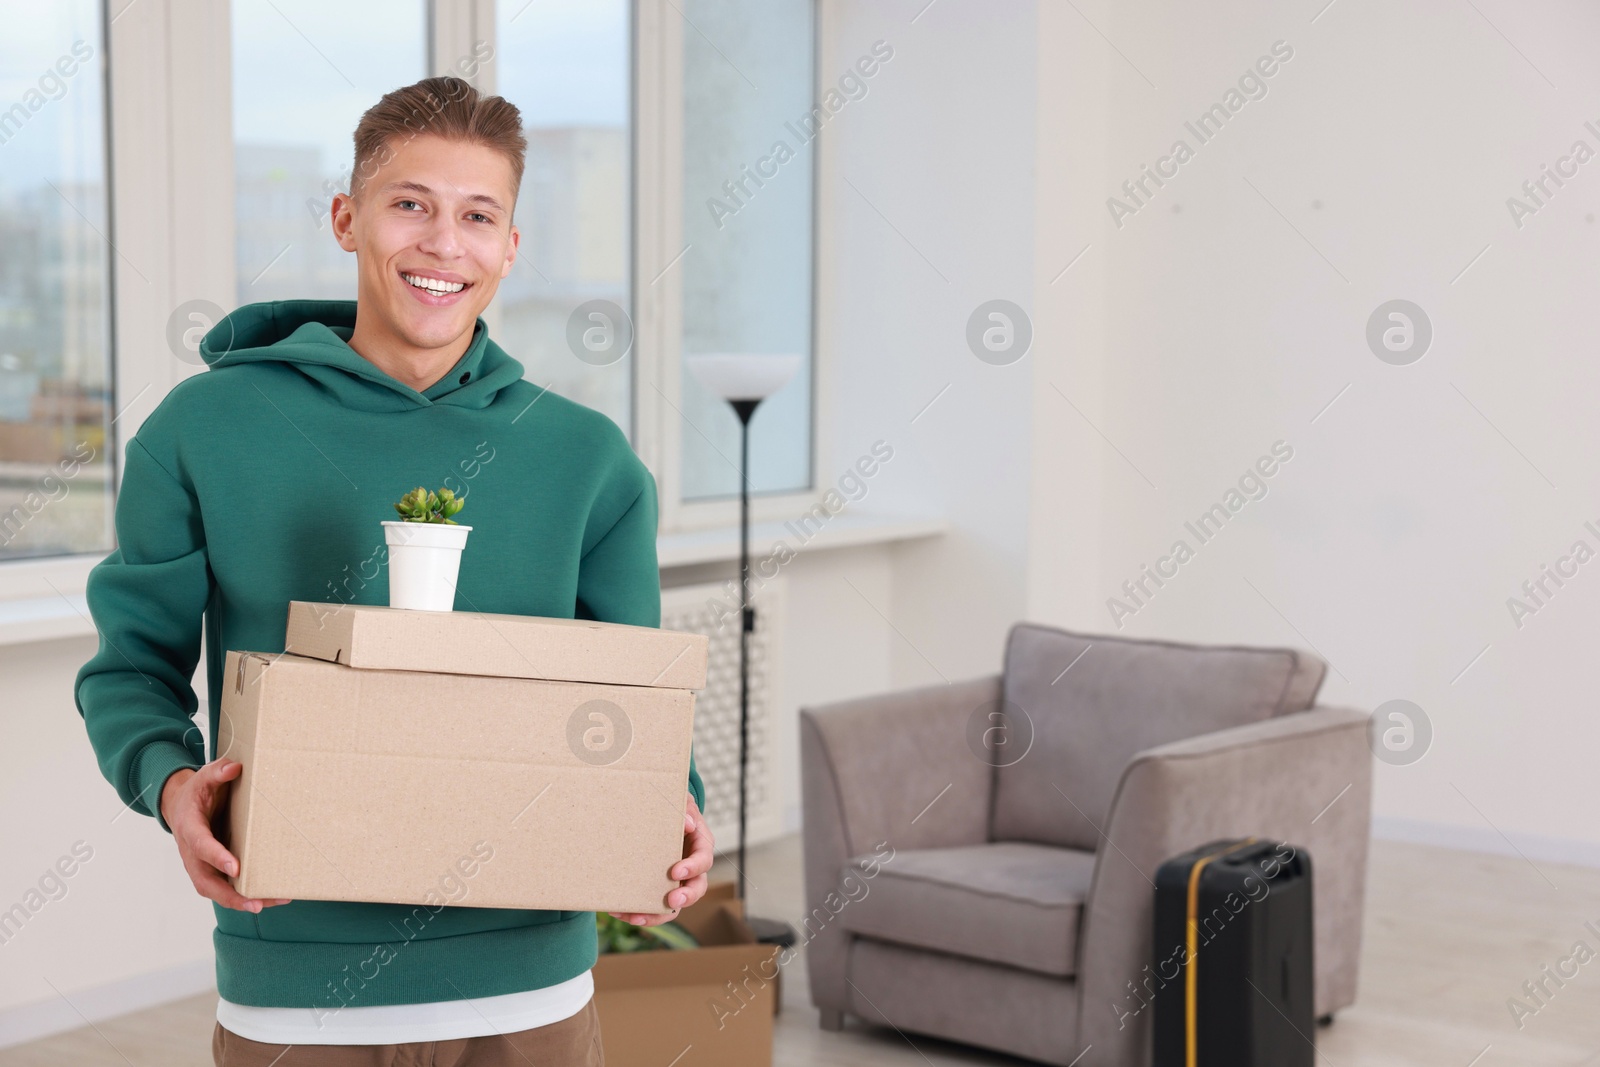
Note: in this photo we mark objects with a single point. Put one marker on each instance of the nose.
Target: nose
(442, 237)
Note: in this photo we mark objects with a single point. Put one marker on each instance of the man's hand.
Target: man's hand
(691, 870)
(190, 801)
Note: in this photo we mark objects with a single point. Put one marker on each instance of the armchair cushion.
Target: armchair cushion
(1093, 702)
(1010, 902)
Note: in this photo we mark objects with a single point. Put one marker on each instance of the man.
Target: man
(264, 480)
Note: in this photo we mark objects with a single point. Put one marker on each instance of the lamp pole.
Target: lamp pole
(747, 616)
(744, 379)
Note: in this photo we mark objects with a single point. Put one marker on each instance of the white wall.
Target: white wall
(128, 914)
(1207, 327)
(932, 214)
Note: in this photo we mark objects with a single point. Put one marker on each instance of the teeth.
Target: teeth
(434, 285)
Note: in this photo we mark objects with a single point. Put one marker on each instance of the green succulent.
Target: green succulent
(619, 936)
(421, 505)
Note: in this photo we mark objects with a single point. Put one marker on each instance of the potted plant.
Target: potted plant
(617, 935)
(425, 546)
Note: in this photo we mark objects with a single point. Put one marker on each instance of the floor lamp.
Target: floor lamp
(744, 380)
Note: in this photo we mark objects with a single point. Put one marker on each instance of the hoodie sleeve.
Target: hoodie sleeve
(619, 579)
(148, 600)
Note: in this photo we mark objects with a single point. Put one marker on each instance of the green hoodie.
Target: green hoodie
(264, 480)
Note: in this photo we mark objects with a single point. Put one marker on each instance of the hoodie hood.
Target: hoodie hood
(313, 338)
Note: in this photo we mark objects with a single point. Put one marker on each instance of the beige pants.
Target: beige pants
(571, 1042)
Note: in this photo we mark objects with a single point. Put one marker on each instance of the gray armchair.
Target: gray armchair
(1015, 910)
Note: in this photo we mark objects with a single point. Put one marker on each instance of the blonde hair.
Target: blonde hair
(446, 107)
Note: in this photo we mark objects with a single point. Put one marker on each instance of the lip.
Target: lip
(434, 299)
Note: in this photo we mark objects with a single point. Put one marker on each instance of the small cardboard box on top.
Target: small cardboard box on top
(712, 1006)
(541, 763)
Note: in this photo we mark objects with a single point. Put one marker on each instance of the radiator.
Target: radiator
(697, 608)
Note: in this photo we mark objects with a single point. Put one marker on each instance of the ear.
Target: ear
(511, 250)
(343, 216)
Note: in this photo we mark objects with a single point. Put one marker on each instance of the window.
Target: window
(645, 124)
(565, 308)
(748, 132)
(748, 179)
(55, 299)
(609, 186)
(304, 71)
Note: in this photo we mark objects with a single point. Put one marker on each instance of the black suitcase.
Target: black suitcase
(1233, 957)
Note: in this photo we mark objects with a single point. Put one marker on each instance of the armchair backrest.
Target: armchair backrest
(1092, 702)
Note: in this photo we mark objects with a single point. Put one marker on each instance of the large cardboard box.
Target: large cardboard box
(511, 646)
(710, 1006)
(400, 786)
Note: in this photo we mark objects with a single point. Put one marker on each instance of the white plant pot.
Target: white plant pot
(424, 563)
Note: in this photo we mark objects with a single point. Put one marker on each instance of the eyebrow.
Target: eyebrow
(418, 187)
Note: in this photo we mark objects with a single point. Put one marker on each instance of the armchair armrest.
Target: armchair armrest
(893, 767)
(1304, 778)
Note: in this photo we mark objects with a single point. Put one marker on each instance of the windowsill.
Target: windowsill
(720, 544)
(67, 615)
(44, 619)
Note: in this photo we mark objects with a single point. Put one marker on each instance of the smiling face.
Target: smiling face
(432, 233)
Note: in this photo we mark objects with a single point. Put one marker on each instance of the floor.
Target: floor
(1450, 939)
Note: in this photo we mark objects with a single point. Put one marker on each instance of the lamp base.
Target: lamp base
(772, 931)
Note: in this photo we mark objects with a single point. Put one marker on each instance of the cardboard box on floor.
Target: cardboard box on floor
(714, 1004)
(473, 789)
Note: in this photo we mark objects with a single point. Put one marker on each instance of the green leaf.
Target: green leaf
(618, 936)
(423, 505)
(673, 935)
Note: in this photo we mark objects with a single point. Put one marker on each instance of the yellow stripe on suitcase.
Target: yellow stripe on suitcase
(1190, 1048)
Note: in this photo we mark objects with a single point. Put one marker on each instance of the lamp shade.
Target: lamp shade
(742, 375)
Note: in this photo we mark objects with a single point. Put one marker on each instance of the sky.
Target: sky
(64, 139)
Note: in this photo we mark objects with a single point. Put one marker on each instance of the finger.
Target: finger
(195, 836)
(208, 849)
(212, 794)
(214, 780)
(652, 920)
(688, 893)
(275, 903)
(701, 855)
(212, 787)
(216, 774)
(216, 784)
(209, 884)
(693, 822)
(644, 918)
